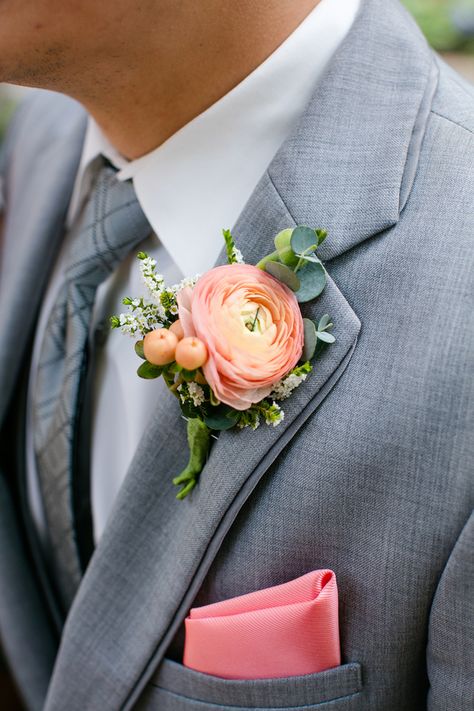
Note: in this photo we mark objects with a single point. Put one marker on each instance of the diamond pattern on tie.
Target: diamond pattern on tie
(110, 226)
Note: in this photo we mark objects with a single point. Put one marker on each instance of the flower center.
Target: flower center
(253, 318)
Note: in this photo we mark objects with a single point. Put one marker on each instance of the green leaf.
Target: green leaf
(114, 322)
(323, 322)
(149, 371)
(321, 235)
(326, 337)
(310, 340)
(229, 246)
(188, 409)
(273, 257)
(283, 246)
(312, 279)
(283, 274)
(213, 399)
(222, 417)
(302, 239)
(139, 350)
(188, 375)
(174, 367)
(309, 258)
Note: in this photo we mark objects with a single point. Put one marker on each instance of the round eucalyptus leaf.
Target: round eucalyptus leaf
(139, 350)
(283, 247)
(149, 371)
(308, 258)
(283, 274)
(326, 337)
(312, 279)
(302, 239)
(323, 322)
(310, 339)
(221, 418)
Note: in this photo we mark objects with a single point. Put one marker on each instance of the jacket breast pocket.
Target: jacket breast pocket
(177, 688)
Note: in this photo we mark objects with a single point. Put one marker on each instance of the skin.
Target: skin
(142, 68)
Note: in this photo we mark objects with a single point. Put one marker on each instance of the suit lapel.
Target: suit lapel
(40, 183)
(156, 551)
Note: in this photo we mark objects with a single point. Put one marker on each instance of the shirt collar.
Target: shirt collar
(198, 181)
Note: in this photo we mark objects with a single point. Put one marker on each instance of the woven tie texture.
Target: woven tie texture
(110, 226)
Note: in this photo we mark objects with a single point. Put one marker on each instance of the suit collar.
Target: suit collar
(349, 164)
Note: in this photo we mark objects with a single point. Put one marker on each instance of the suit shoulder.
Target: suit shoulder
(454, 99)
(447, 150)
(41, 117)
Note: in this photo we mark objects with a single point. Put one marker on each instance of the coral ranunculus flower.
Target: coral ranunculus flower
(252, 326)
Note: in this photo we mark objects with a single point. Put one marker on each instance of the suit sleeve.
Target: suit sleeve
(450, 653)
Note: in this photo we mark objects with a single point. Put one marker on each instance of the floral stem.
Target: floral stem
(199, 441)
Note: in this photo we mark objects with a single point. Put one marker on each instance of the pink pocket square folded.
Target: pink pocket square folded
(288, 630)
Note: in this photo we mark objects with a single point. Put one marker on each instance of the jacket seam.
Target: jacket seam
(455, 123)
(257, 708)
(272, 183)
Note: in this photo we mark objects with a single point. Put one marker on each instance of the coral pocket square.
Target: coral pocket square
(287, 630)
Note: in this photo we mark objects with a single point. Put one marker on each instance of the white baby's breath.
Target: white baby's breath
(187, 281)
(196, 393)
(285, 387)
(274, 415)
(237, 256)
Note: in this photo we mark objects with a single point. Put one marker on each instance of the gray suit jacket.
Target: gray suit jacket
(371, 472)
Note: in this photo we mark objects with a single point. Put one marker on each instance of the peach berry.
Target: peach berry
(191, 353)
(159, 346)
(177, 329)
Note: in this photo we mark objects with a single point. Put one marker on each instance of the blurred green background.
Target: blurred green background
(447, 24)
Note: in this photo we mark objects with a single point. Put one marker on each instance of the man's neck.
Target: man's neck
(193, 58)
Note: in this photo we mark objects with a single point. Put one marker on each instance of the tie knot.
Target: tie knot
(111, 224)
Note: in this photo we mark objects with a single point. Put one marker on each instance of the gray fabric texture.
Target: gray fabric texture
(371, 472)
(111, 225)
(25, 632)
(177, 688)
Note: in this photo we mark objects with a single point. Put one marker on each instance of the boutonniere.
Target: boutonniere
(231, 344)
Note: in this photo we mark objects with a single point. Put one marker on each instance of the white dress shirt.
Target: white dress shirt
(192, 186)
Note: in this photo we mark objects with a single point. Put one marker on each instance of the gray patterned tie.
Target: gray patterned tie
(110, 226)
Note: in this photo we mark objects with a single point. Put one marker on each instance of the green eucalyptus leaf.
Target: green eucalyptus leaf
(326, 337)
(302, 239)
(222, 417)
(284, 274)
(139, 350)
(274, 256)
(149, 371)
(323, 322)
(283, 246)
(310, 340)
(309, 258)
(312, 281)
